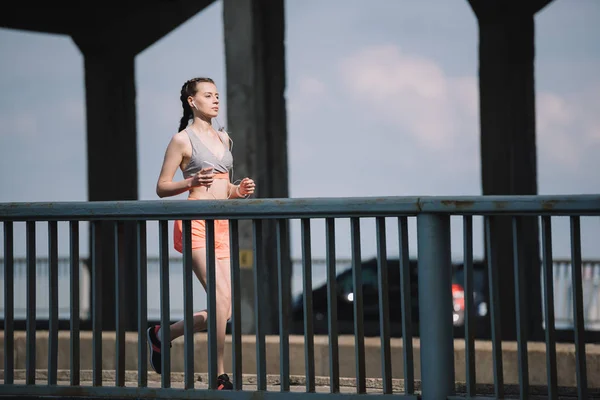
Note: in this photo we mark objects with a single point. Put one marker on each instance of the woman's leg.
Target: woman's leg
(200, 317)
(223, 279)
(223, 294)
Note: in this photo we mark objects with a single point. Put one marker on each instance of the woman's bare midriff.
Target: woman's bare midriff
(218, 191)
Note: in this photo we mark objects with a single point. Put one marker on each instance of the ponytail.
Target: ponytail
(185, 119)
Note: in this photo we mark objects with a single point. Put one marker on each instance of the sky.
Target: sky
(385, 94)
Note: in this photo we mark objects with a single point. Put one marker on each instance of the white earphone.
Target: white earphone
(194, 105)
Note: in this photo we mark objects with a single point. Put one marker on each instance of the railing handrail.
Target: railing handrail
(588, 204)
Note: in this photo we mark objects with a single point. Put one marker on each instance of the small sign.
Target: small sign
(246, 258)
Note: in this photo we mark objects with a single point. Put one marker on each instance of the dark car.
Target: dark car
(480, 303)
(345, 300)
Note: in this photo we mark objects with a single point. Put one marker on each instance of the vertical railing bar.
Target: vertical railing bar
(334, 366)
(384, 320)
(494, 311)
(9, 304)
(435, 301)
(75, 350)
(521, 307)
(53, 297)
(406, 304)
(211, 299)
(284, 304)
(261, 357)
(31, 308)
(549, 307)
(236, 304)
(165, 308)
(142, 286)
(309, 345)
(469, 310)
(578, 323)
(119, 309)
(361, 386)
(96, 304)
(188, 316)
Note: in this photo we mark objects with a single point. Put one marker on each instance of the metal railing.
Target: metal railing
(433, 237)
(561, 269)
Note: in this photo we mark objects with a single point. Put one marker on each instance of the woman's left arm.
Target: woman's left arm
(243, 190)
(246, 186)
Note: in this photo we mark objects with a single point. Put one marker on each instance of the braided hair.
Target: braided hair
(189, 89)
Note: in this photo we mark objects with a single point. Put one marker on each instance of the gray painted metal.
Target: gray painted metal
(188, 313)
(53, 297)
(96, 305)
(406, 304)
(119, 304)
(307, 207)
(259, 289)
(309, 352)
(384, 306)
(334, 366)
(494, 311)
(165, 317)
(548, 281)
(357, 281)
(30, 362)
(74, 297)
(581, 369)
(435, 277)
(142, 286)
(469, 311)
(284, 272)
(211, 296)
(433, 228)
(521, 306)
(236, 305)
(9, 304)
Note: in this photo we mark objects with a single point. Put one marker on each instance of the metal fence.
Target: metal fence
(433, 236)
(561, 269)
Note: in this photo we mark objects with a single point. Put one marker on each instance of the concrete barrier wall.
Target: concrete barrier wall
(483, 355)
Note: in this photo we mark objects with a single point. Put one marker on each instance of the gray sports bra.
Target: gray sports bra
(202, 153)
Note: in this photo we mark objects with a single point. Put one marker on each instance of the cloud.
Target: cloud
(384, 122)
(304, 92)
(412, 92)
(430, 116)
(440, 112)
(554, 115)
(18, 125)
(568, 128)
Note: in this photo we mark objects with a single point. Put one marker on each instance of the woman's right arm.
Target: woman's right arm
(165, 186)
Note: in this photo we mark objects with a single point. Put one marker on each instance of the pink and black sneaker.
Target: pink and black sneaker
(154, 346)
(223, 382)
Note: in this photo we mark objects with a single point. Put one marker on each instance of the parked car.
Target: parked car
(345, 300)
(480, 304)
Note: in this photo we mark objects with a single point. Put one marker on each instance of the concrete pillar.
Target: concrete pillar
(508, 144)
(109, 52)
(112, 165)
(255, 70)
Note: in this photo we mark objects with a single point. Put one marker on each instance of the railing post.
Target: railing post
(435, 306)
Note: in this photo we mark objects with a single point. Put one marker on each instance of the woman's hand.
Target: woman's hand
(246, 187)
(203, 178)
